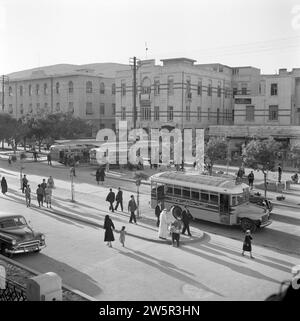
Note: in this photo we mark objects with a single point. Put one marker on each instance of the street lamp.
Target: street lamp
(72, 185)
(138, 183)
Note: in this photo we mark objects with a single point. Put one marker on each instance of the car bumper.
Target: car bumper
(25, 249)
(266, 223)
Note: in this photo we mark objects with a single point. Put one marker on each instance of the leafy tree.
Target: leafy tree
(6, 127)
(262, 155)
(215, 149)
(295, 155)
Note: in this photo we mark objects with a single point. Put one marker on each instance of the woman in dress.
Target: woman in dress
(247, 247)
(3, 185)
(109, 227)
(50, 182)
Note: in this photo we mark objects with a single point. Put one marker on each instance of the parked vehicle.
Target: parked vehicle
(16, 236)
(209, 198)
(258, 199)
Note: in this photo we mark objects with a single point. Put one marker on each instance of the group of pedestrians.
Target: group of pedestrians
(109, 227)
(111, 198)
(43, 191)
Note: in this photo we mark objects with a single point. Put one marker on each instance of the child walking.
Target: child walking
(122, 236)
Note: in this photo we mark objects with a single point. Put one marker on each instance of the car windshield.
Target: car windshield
(12, 222)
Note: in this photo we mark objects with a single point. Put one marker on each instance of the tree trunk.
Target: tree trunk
(265, 183)
(210, 169)
(24, 141)
(40, 143)
(3, 143)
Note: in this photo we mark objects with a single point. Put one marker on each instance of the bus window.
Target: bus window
(234, 201)
(186, 193)
(177, 190)
(170, 190)
(204, 197)
(214, 199)
(195, 195)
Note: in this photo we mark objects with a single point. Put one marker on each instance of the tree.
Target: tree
(262, 155)
(215, 149)
(295, 155)
(7, 125)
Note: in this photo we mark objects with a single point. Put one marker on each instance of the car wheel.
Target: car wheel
(248, 224)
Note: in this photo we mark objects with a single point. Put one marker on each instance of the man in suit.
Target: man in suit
(119, 199)
(111, 198)
(158, 209)
(186, 218)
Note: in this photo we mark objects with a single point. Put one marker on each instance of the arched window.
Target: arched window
(37, 89)
(57, 107)
(29, 90)
(10, 91)
(102, 88)
(71, 87)
(113, 89)
(146, 86)
(45, 89)
(21, 90)
(57, 87)
(89, 87)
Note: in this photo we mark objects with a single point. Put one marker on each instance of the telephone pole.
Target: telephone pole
(133, 62)
(4, 79)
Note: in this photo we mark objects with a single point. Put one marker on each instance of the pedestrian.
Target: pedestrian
(9, 160)
(109, 227)
(119, 199)
(251, 179)
(186, 218)
(131, 209)
(48, 195)
(102, 174)
(43, 186)
(72, 170)
(98, 175)
(110, 198)
(50, 182)
(24, 183)
(164, 221)
(3, 186)
(175, 229)
(279, 173)
(122, 236)
(28, 195)
(247, 244)
(158, 209)
(35, 156)
(40, 195)
(49, 159)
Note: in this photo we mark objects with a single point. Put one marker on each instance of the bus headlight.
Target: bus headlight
(42, 237)
(13, 242)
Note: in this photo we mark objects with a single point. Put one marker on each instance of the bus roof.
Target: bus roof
(197, 181)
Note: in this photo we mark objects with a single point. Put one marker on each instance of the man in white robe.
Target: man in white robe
(165, 218)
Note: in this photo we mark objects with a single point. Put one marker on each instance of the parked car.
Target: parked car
(16, 236)
(258, 199)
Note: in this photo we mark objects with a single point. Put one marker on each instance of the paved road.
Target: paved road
(210, 269)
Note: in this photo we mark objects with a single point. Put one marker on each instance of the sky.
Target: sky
(260, 33)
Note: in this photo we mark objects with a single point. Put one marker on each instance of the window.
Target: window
(21, 109)
(214, 198)
(123, 113)
(259, 89)
(37, 89)
(146, 113)
(169, 190)
(204, 197)
(113, 89)
(170, 113)
(45, 89)
(123, 89)
(219, 90)
(102, 108)
(113, 108)
(199, 88)
(38, 108)
(71, 87)
(208, 113)
(156, 87)
(186, 193)
(177, 190)
(209, 90)
(232, 114)
(195, 195)
(274, 89)
(10, 91)
(21, 90)
(249, 113)
(234, 91)
(57, 88)
(71, 107)
(188, 113)
(46, 106)
(273, 112)
(89, 109)
(29, 90)
(218, 116)
(146, 86)
(170, 86)
(156, 113)
(199, 113)
(102, 88)
(188, 88)
(244, 89)
(30, 108)
(89, 87)
(57, 106)
(10, 108)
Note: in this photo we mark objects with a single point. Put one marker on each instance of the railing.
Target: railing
(13, 292)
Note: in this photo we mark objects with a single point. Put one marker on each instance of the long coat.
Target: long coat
(165, 219)
(109, 227)
(4, 185)
(247, 243)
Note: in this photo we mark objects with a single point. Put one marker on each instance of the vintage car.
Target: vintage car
(258, 199)
(16, 236)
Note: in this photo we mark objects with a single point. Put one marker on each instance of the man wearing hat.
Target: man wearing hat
(247, 244)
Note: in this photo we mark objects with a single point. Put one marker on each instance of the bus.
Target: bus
(210, 198)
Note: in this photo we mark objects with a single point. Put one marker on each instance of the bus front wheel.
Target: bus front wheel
(248, 224)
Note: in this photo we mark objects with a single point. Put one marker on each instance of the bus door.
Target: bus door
(224, 208)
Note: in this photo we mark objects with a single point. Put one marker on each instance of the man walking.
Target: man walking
(43, 186)
(251, 179)
(279, 173)
(28, 195)
(119, 199)
(186, 218)
(40, 195)
(111, 198)
(49, 159)
(131, 209)
(158, 209)
(24, 183)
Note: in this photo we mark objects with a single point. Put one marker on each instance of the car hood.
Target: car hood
(250, 210)
(20, 233)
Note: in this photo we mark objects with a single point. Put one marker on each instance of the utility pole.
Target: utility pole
(3, 80)
(133, 61)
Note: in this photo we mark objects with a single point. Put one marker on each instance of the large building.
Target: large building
(86, 91)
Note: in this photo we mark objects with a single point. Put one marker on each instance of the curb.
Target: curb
(286, 205)
(66, 287)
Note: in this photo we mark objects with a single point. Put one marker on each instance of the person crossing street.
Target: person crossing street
(111, 198)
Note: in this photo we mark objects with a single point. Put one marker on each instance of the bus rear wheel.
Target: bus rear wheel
(248, 224)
